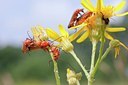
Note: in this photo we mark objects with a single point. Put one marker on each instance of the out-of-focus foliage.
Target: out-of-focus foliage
(35, 65)
(9, 56)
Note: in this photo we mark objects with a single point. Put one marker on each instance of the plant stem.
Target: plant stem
(56, 72)
(91, 78)
(92, 74)
(90, 82)
(93, 55)
(106, 53)
(104, 56)
(79, 62)
(100, 54)
(99, 58)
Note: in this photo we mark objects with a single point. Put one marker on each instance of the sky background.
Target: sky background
(18, 16)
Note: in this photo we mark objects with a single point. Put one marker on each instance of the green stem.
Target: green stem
(101, 50)
(93, 68)
(106, 53)
(100, 54)
(90, 82)
(103, 57)
(79, 62)
(91, 78)
(99, 58)
(56, 72)
(93, 55)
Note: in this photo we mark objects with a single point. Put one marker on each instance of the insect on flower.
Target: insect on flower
(78, 18)
(28, 44)
(106, 20)
(55, 51)
(31, 44)
(43, 44)
(74, 17)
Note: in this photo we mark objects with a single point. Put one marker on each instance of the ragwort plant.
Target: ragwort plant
(94, 26)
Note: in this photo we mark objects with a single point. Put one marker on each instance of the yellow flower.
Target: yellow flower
(63, 38)
(90, 28)
(39, 33)
(106, 11)
(95, 26)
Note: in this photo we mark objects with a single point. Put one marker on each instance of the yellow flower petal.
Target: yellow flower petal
(83, 37)
(74, 36)
(86, 5)
(108, 36)
(63, 31)
(90, 4)
(123, 45)
(120, 6)
(53, 35)
(40, 29)
(115, 29)
(102, 3)
(117, 51)
(78, 26)
(42, 33)
(99, 5)
(34, 32)
(123, 14)
(37, 32)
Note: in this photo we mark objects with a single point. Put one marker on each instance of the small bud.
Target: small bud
(73, 78)
(114, 43)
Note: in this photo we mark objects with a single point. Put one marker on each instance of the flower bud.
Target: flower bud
(114, 43)
(73, 78)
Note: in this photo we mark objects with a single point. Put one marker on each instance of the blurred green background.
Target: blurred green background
(33, 68)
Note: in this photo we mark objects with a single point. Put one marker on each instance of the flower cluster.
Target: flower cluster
(96, 25)
(63, 38)
(93, 24)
